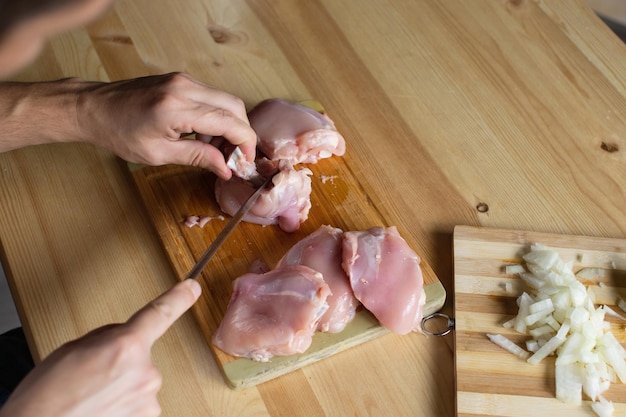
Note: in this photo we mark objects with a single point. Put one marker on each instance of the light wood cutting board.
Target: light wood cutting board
(491, 381)
(171, 193)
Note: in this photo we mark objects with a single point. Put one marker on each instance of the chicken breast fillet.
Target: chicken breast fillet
(322, 251)
(286, 203)
(293, 132)
(273, 314)
(386, 277)
(289, 134)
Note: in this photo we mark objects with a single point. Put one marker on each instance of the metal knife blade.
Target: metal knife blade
(228, 229)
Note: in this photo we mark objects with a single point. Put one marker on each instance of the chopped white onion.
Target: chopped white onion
(507, 344)
(541, 331)
(613, 313)
(603, 407)
(569, 383)
(509, 323)
(595, 384)
(531, 280)
(536, 317)
(592, 274)
(558, 311)
(523, 302)
(532, 345)
(514, 269)
(548, 349)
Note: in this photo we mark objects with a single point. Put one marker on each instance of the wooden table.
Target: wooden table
(504, 114)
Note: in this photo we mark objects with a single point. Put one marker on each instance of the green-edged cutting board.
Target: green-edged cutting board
(171, 193)
(491, 381)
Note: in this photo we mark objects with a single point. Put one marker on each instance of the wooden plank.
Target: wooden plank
(172, 193)
(522, 406)
(491, 381)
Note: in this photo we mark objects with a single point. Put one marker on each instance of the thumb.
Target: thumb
(196, 153)
(153, 320)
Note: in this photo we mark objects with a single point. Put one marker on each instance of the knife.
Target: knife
(228, 229)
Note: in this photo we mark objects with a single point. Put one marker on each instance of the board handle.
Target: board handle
(435, 319)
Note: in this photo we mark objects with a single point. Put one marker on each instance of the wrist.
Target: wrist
(37, 113)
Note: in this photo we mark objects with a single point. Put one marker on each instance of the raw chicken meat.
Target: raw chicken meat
(289, 134)
(234, 157)
(200, 221)
(192, 221)
(258, 267)
(322, 251)
(293, 132)
(273, 314)
(243, 168)
(386, 277)
(286, 203)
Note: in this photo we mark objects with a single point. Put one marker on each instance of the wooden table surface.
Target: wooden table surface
(496, 113)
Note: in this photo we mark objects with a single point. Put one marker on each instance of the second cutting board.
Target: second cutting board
(491, 381)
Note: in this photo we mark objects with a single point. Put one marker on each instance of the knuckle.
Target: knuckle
(153, 409)
(177, 79)
(152, 380)
(125, 344)
(157, 379)
(123, 350)
(164, 310)
(222, 115)
(197, 160)
(150, 387)
(240, 104)
(167, 101)
(154, 157)
(169, 96)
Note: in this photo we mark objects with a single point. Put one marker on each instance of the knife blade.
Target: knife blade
(228, 229)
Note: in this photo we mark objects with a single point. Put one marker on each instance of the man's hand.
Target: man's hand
(142, 120)
(109, 371)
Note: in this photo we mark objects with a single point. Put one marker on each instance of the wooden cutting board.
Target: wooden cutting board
(491, 381)
(171, 193)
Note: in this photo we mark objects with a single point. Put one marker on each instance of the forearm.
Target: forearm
(140, 120)
(37, 113)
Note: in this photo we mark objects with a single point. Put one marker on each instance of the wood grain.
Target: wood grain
(508, 105)
(491, 381)
(173, 193)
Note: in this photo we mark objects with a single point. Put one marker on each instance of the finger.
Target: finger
(156, 317)
(208, 94)
(213, 140)
(99, 330)
(221, 122)
(195, 153)
(249, 149)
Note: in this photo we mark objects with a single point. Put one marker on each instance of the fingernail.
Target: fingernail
(194, 286)
(225, 174)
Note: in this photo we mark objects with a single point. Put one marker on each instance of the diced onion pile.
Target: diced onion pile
(560, 315)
